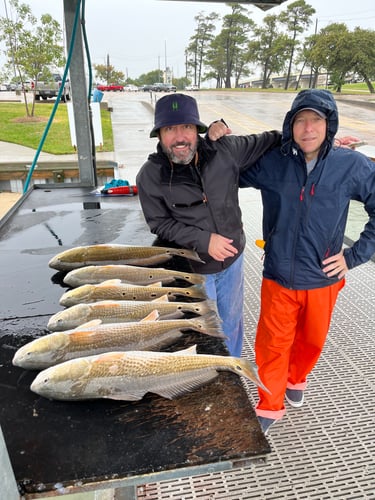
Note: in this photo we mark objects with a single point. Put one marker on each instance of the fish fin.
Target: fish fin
(153, 316)
(173, 336)
(174, 315)
(189, 383)
(148, 261)
(189, 350)
(114, 282)
(124, 396)
(90, 324)
(163, 298)
(157, 283)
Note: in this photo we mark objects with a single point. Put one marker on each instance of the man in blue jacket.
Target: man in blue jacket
(306, 186)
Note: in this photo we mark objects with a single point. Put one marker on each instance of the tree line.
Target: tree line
(276, 47)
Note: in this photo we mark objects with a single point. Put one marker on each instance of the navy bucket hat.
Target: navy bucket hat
(176, 109)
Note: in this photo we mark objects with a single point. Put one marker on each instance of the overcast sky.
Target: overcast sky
(142, 35)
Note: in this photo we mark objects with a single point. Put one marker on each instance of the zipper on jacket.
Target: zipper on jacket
(302, 192)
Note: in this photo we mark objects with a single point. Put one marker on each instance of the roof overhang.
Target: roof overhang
(261, 4)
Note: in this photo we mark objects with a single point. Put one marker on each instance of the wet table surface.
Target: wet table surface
(67, 447)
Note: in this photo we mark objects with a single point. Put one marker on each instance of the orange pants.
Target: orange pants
(291, 333)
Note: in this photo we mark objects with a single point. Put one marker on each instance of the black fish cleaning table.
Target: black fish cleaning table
(59, 447)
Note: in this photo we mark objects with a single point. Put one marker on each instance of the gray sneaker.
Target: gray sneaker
(294, 397)
(266, 423)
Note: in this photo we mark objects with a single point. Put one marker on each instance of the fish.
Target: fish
(135, 275)
(95, 337)
(102, 254)
(128, 376)
(116, 290)
(117, 311)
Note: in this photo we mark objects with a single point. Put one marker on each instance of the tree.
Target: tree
(363, 55)
(216, 60)
(200, 43)
(332, 50)
(233, 39)
(108, 73)
(305, 56)
(269, 49)
(296, 18)
(31, 47)
(149, 78)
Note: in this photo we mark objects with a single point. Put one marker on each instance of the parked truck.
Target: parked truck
(51, 87)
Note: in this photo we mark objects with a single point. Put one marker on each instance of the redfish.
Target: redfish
(130, 375)
(129, 274)
(89, 255)
(95, 338)
(117, 311)
(116, 290)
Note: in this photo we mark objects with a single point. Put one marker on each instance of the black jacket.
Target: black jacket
(184, 204)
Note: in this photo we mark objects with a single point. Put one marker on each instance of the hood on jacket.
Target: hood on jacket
(317, 99)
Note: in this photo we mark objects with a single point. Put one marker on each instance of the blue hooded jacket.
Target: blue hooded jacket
(304, 216)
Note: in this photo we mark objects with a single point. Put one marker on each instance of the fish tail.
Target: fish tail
(209, 324)
(249, 370)
(188, 254)
(198, 291)
(208, 306)
(195, 278)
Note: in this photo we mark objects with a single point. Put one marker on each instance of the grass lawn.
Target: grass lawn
(15, 127)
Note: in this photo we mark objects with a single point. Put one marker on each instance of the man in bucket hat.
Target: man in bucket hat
(188, 190)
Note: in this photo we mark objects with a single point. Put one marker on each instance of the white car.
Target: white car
(131, 88)
(192, 87)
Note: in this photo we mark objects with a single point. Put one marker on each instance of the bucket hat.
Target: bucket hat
(176, 109)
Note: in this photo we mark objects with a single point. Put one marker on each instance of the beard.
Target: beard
(180, 157)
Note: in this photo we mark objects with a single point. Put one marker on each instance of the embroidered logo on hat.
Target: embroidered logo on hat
(177, 109)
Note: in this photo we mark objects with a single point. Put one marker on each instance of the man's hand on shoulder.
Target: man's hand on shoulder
(218, 129)
(349, 141)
